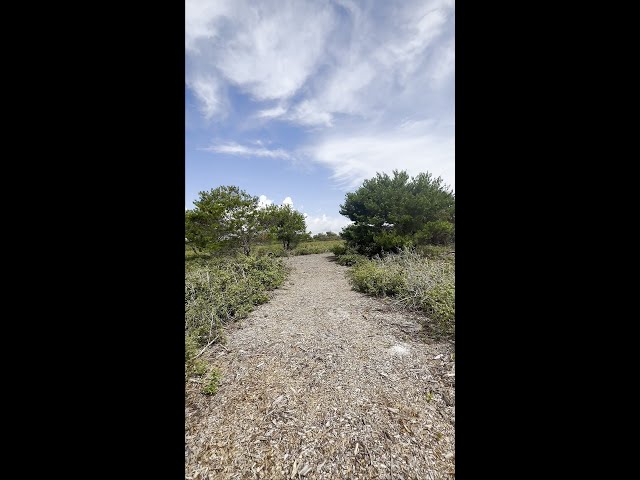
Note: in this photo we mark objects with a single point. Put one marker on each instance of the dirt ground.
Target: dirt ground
(323, 382)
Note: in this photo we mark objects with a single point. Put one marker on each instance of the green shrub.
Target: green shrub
(200, 367)
(338, 250)
(221, 290)
(390, 241)
(212, 383)
(425, 284)
(436, 251)
(436, 233)
(349, 259)
(377, 278)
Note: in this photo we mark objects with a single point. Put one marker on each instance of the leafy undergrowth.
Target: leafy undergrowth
(219, 291)
(413, 280)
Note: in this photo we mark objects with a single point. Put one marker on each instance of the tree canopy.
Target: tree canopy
(392, 212)
(286, 224)
(225, 217)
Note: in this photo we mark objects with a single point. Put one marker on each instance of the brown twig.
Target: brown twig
(207, 346)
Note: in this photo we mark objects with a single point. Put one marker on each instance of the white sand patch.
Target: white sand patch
(399, 350)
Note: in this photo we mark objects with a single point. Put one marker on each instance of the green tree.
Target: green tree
(225, 217)
(286, 224)
(196, 230)
(392, 212)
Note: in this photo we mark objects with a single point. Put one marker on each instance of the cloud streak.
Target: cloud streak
(245, 151)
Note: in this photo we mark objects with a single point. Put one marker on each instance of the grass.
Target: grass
(415, 281)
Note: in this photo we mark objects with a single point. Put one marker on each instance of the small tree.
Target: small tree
(286, 224)
(225, 217)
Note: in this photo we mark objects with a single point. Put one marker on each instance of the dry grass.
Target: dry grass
(323, 382)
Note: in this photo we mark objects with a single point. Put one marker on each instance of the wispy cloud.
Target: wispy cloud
(243, 150)
(414, 146)
(267, 49)
(373, 80)
(272, 112)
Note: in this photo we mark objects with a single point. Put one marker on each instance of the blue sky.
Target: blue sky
(300, 101)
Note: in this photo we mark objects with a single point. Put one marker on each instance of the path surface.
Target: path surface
(324, 382)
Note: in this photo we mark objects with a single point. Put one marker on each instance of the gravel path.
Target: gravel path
(323, 382)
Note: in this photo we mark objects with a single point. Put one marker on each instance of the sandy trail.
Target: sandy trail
(323, 382)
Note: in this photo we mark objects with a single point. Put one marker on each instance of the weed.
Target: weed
(199, 367)
(213, 382)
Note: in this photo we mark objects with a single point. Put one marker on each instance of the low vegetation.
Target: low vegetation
(220, 290)
(418, 282)
(212, 382)
(303, 248)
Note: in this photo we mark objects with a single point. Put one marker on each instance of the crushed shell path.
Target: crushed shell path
(323, 382)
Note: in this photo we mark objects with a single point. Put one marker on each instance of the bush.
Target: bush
(339, 249)
(377, 278)
(391, 242)
(213, 382)
(436, 233)
(349, 259)
(220, 290)
(436, 251)
(415, 282)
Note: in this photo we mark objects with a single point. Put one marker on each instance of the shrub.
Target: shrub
(213, 382)
(221, 290)
(391, 242)
(350, 259)
(340, 249)
(415, 282)
(377, 278)
(436, 251)
(436, 233)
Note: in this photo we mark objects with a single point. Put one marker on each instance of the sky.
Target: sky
(300, 101)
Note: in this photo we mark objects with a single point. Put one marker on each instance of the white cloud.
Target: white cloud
(237, 149)
(264, 202)
(209, 91)
(414, 146)
(288, 201)
(374, 80)
(268, 49)
(309, 113)
(272, 112)
(199, 18)
(324, 223)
